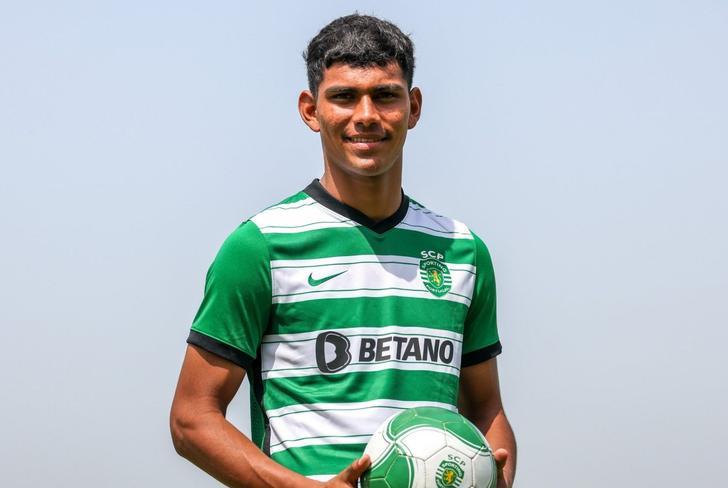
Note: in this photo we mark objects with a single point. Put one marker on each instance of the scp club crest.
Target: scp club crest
(435, 274)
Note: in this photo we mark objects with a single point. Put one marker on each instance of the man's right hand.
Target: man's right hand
(349, 476)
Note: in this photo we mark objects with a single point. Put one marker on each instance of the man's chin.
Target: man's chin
(369, 168)
(364, 166)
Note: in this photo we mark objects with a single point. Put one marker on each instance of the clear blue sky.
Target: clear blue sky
(586, 142)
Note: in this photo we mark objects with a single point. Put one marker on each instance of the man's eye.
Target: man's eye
(343, 96)
(386, 95)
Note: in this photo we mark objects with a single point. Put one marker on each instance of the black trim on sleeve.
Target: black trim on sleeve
(221, 349)
(480, 355)
(316, 191)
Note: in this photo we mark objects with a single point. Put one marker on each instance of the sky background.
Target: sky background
(586, 142)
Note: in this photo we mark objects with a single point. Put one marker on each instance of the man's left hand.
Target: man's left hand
(501, 457)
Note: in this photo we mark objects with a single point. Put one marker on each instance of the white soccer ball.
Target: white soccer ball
(429, 447)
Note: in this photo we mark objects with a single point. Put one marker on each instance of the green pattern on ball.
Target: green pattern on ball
(404, 420)
(380, 469)
(401, 469)
(465, 431)
(366, 482)
(421, 417)
(377, 475)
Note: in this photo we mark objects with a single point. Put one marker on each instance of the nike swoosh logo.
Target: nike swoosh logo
(314, 282)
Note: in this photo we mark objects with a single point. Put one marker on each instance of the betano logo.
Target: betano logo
(338, 356)
(342, 356)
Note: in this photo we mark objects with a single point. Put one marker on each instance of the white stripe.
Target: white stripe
(275, 229)
(295, 355)
(371, 294)
(368, 279)
(422, 220)
(304, 215)
(297, 217)
(343, 407)
(318, 425)
(297, 204)
(322, 441)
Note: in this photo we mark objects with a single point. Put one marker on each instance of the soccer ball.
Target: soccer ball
(429, 447)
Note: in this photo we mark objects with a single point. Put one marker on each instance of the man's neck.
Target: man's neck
(377, 197)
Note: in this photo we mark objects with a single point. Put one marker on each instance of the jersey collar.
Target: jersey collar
(316, 191)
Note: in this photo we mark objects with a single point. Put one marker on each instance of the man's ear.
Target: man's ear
(307, 109)
(415, 96)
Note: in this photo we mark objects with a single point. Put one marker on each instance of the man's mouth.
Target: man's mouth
(364, 139)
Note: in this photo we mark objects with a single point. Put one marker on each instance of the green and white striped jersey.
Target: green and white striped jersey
(340, 322)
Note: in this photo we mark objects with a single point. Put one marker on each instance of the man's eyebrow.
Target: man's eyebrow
(390, 87)
(335, 90)
(387, 87)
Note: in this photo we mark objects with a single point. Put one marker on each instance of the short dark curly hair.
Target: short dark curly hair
(358, 40)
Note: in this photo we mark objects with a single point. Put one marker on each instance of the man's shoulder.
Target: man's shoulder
(423, 219)
(252, 227)
(290, 213)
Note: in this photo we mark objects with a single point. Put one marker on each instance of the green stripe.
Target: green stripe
(312, 460)
(353, 241)
(401, 385)
(354, 363)
(339, 313)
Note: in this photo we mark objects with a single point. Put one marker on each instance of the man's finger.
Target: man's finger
(352, 473)
(501, 457)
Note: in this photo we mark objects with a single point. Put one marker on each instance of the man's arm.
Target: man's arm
(480, 401)
(200, 432)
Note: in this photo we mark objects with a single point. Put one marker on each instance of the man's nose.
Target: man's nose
(365, 112)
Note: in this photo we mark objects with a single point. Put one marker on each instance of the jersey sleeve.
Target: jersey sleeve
(235, 309)
(480, 338)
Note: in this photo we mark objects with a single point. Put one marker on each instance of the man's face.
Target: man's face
(363, 115)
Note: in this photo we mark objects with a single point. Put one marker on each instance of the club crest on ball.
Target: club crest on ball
(449, 475)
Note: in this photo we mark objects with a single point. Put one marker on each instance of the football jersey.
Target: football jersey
(340, 321)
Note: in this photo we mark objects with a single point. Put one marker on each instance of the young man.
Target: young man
(346, 302)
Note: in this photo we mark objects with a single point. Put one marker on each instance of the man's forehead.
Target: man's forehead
(363, 76)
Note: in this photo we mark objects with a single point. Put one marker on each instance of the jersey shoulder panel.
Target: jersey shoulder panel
(298, 213)
(420, 218)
